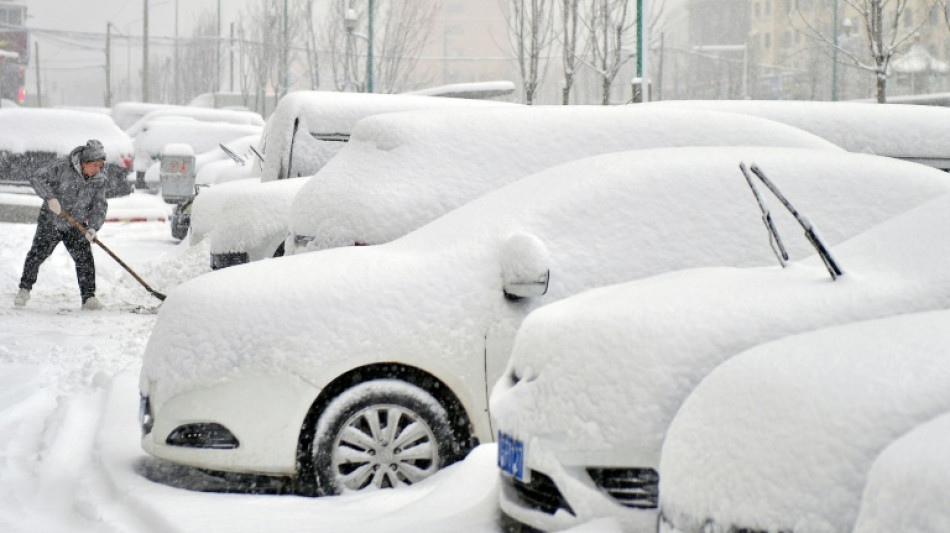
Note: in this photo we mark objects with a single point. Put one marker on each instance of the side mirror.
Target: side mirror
(524, 266)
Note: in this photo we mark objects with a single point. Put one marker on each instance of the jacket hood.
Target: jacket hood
(75, 161)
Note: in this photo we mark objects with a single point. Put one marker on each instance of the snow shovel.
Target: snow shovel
(80, 227)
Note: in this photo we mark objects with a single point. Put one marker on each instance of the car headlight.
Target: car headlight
(145, 415)
(303, 240)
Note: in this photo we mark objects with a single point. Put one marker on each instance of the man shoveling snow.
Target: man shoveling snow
(78, 185)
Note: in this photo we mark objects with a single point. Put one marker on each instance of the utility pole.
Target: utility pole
(217, 55)
(177, 85)
(642, 53)
(231, 53)
(145, 51)
(39, 93)
(370, 79)
(108, 64)
(284, 70)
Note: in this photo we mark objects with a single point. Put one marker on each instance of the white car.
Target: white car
(401, 171)
(918, 133)
(594, 381)
(782, 436)
(371, 366)
(306, 130)
(908, 486)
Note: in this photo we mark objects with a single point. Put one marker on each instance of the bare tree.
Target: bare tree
(568, 38)
(259, 33)
(313, 59)
(608, 24)
(530, 33)
(400, 32)
(886, 30)
(198, 57)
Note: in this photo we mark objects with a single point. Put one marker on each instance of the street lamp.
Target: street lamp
(349, 22)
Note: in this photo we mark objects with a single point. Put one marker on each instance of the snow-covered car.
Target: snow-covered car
(32, 138)
(305, 131)
(127, 113)
(919, 133)
(908, 486)
(594, 380)
(201, 136)
(401, 171)
(370, 366)
(200, 114)
(782, 436)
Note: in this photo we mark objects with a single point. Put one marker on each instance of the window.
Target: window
(768, 8)
(908, 17)
(12, 15)
(758, 10)
(768, 41)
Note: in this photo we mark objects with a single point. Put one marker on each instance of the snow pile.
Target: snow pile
(782, 437)
(400, 171)
(908, 486)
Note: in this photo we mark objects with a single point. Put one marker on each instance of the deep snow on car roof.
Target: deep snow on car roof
(59, 131)
(893, 130)
(324, 114)
(402, 170)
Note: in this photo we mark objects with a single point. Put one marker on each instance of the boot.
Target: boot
(92, 304)
(21, 298)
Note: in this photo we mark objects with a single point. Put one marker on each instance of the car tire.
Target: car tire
(384, 433)
(179, 230)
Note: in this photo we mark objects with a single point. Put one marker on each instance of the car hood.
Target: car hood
(606, 370)
(303, 315)
(790, 429)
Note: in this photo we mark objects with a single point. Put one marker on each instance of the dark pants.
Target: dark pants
(45, 241)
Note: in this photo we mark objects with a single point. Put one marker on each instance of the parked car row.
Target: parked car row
(564, 281)
(616, 453)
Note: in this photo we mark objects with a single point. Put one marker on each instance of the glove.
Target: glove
(54, 206)
(90, 234)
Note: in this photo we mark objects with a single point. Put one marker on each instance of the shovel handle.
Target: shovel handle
(96, 240)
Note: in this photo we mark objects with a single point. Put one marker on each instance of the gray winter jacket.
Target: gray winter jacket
(83, 198)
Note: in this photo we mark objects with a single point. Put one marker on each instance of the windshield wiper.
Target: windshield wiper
(230, 153)
(774, 240)
(810, 232)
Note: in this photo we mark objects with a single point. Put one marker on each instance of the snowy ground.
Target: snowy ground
(69, 438)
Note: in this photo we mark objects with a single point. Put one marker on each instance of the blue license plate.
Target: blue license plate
(511, 456)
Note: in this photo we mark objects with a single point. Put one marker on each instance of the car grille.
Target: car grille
(540, 493)
(637, 488)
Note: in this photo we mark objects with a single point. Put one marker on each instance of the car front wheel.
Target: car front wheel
(383, 433)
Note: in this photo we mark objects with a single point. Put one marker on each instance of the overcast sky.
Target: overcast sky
(73, 70)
